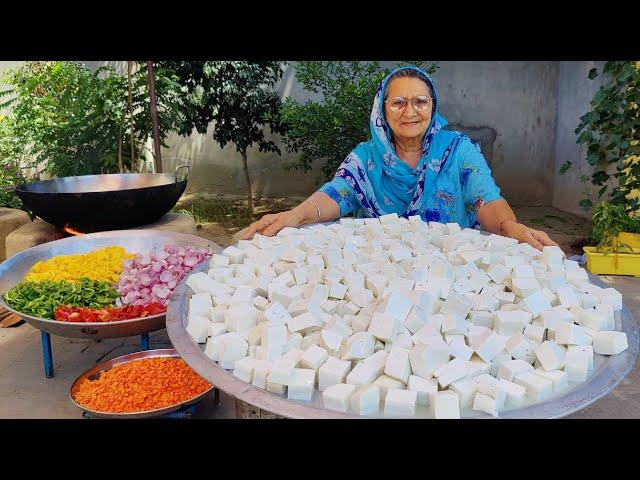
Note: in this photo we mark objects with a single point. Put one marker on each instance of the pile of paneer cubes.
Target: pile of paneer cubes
(388, 314)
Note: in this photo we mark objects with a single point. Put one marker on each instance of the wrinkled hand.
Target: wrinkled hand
(524, 234)
(271, 224)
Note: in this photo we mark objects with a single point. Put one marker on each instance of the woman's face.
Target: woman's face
(408, 123)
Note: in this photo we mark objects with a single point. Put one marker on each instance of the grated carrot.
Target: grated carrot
(141, 385)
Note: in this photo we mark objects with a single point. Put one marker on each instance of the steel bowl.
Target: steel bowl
(135, 241)
(95, 372)
(608, 372)
(91, 203)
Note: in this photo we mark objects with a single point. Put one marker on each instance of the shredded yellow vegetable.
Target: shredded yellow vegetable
(104, 265)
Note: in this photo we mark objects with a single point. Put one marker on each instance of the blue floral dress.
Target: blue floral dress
(450, 182)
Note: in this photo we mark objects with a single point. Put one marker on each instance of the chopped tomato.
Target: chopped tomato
(108, 314)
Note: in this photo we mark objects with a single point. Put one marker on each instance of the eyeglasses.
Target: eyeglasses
(421, 103)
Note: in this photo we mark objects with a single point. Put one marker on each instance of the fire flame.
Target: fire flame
(71, 231)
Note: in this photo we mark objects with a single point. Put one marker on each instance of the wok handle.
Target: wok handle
(178, 169)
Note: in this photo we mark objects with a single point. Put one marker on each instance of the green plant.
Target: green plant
(611, 132)
(609, 219)
(333, 126)
(72, 121)
(238, 97)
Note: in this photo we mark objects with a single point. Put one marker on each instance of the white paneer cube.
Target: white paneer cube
(567, 297)
(301, 384)
(306, 322)
(365, 400)
(445, 404)
(241, 318)
(331, 339)
(276, 314)
(538, 388)
(610, 343)
(426, 331)
(498, 273)
(198, 328)
(559, 379)
(383, 327)
(490, 347)
(243, 369)
(314, 357)
(551, 355)
(336, 397)
(515, 394)
(509, 369)
(535, 333)
(552, 255)
(332, 372)
(230, 350)
(536, 303)
(260, 372)
(216, 329)
(400, 402)
(612, 297)
(569, 334)
(577, 365)
(425, 359)
(459, 349)
(235, 254)
(398, 365)
(397, 306)
(521, 347)
(510, 322)
(466, 390)
(587, 349)
(359, 346)
(452, 371)
(276, 388)
(594, 320)
(385, 382)
(485, 403)
(362, 374)
(523, 287)
(424, 388)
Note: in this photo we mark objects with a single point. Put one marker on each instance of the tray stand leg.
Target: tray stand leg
(46, 354)
(144, 341)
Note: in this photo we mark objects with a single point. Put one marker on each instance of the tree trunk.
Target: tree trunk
(153, 103)
(133, 150)
(120, 142)
(246, 175)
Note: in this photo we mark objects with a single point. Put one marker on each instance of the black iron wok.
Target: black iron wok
(92, 203)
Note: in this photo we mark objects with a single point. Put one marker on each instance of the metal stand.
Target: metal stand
(48, 356)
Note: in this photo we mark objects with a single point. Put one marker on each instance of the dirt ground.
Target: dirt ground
(565, 228)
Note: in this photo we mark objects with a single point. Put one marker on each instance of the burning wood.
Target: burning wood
(71, 231)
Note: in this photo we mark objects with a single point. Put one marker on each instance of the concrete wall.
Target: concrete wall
(517, 102)
(575, 91)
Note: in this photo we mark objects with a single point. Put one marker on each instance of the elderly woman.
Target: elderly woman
(410, 166)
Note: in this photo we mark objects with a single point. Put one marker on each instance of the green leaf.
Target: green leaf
(564, 167)
(586, 204)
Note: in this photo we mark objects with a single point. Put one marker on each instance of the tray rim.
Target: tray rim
(128, 358)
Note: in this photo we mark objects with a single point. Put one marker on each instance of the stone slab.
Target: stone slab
(10, 219)
(39, 231)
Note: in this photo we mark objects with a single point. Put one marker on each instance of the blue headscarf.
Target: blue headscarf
(381, 181)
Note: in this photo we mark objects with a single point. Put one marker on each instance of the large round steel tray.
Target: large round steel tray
(608, 371)
(104, 366)
(134, 241)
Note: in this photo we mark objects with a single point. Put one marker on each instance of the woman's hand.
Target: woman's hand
(271, 224)
(524, 234)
